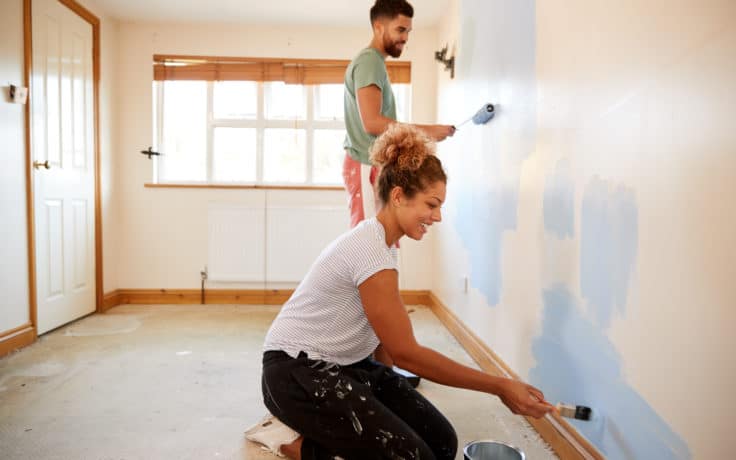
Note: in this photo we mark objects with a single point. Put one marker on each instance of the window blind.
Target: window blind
(291, 71)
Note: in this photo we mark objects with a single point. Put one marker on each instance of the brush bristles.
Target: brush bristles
(576, 412)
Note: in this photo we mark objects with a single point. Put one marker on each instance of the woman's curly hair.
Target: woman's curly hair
(407, 159)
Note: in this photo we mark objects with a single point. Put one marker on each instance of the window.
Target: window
(251, 132)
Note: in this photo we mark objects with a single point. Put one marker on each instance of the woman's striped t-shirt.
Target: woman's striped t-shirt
(324, 317)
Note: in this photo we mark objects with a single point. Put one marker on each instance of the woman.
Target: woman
(319, 373)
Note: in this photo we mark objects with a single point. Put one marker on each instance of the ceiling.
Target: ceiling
(335, 13)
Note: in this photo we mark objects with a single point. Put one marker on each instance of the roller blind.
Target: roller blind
(292, 71)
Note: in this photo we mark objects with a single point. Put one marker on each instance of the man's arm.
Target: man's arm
(369, 104)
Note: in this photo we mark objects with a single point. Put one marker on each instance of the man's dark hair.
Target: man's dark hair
(389, 9)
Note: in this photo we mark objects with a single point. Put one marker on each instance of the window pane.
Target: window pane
(284, 101)
(235, 99)
(402, 94)
(328, 102)
(328, 156)
(234, 155)
(284, 155)
(184, 144)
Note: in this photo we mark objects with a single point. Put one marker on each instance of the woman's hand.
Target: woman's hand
(524, 399)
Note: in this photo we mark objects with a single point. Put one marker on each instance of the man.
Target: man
(369, 103)
(370, 108)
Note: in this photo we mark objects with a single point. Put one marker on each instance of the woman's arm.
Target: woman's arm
(382, 355)
(390, 321)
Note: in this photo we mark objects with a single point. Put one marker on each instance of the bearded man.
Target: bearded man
(370, 106)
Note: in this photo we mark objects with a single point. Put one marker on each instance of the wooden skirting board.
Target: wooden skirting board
(16, 339)
(560, 435)
(221, 296)
(194, 296)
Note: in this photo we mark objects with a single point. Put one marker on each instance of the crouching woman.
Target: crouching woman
(328, 354)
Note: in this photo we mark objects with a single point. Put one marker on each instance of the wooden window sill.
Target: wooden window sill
(245, 187)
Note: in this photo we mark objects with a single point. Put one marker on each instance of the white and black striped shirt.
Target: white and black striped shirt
(325, 317)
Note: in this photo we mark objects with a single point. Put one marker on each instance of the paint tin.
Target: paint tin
(492, 450)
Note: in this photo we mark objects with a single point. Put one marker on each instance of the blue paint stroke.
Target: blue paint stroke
(579, 365)
(481, 218)
(497, 64)
(608, 245)
(559, 201)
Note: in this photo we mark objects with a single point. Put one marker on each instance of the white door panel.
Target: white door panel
(53, 240)
(62, 133)
(80, 248)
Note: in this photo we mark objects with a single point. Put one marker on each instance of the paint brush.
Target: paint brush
(576, 412)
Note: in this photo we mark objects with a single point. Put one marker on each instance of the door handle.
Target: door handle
(38, 164)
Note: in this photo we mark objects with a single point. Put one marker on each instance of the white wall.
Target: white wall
(163, 232)
(109, 153)
(14, 309)
(595, 214)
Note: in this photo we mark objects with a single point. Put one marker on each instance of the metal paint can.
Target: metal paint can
(492, 450)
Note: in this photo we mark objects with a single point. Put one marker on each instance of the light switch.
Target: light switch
(18, 94)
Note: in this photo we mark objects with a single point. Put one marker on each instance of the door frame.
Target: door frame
(90, 18)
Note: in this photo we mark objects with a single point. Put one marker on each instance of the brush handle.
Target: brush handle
(457, 126)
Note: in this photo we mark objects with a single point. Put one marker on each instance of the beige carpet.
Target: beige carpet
(183, 382)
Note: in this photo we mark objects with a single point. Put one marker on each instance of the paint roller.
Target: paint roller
(482, 116)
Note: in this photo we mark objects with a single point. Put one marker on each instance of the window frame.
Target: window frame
(260, 123)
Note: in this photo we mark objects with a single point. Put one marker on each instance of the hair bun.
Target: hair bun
(403, 145)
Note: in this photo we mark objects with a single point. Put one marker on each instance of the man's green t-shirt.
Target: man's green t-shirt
(367, 68)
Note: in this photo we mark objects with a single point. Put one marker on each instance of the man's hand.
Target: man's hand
(439, 132)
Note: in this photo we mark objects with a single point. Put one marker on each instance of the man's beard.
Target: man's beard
(392, 48)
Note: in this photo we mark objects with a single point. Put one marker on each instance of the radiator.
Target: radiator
(235, 250)
(296, 236)
(275, 244)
